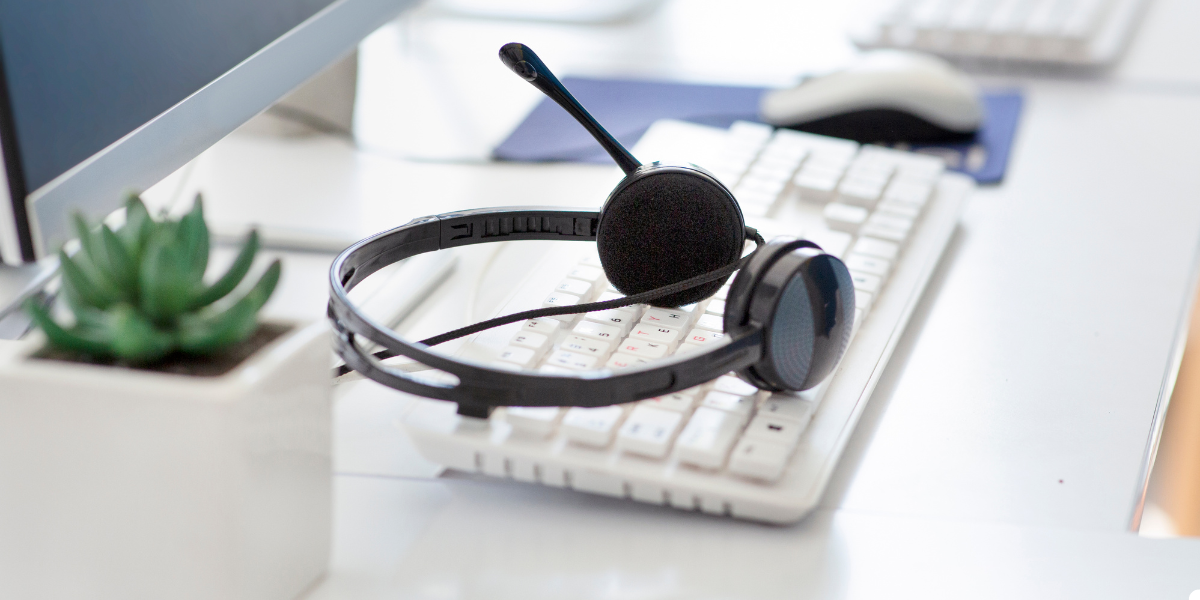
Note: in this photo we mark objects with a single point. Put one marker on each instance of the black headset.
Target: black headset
(667, 235)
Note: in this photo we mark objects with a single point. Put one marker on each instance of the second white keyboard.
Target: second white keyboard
(1079, 32)
(723, 447)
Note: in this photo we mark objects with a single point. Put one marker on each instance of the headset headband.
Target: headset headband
(482, 387)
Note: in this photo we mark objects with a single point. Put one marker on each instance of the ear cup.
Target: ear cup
(737, 302)
(664, 224)
(804, 303)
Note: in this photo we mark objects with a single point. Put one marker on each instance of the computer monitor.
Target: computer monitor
(100, 98)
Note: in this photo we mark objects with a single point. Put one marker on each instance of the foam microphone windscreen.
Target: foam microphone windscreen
(666, 227)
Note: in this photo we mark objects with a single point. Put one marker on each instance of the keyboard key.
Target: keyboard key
(556, 370)
(592, 426)
(648, 431)
(586, 346)
(908, 211)
(577, 287)
(862, 300)
(865, 263)
(711, 323)
(749, 133)
(625, 361)
(599, 331)
(571, 360)
(716, 307)
(844, 217)
(733, 404)
(784, 407)
(642, 348)
(702, 336)
(833, 242)
(538, 421)
(909, 192)
(518, 356)
(591, 275)
(614, 295)
(534, 341)
(559, 299)
(706, 439)
(546, 327)
(866, 282)
(876, 247)
(614, 317)
(668, 317)
(655, 333)
(815, 187)
(732, 385)
(761, 460)
(889, 220)
(754, 184)
(678, 402)
(860, 192)
(784, 432)
(887, 233)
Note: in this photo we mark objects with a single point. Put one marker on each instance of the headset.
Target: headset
(667, 235)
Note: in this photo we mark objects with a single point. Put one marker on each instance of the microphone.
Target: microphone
(521, 59)
(662, 224)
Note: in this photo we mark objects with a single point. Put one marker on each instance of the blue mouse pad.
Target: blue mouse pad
(627, 108)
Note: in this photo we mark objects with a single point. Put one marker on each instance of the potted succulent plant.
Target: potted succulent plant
(163, 443)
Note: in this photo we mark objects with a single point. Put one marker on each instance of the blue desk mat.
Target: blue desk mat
(626, 108)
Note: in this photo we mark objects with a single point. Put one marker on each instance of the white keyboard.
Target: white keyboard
(723, 447)
(1079, 32)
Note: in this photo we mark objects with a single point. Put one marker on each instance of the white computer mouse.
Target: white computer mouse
(883, 96)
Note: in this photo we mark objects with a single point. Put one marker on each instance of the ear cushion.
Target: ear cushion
(664, 224)
(804, 304)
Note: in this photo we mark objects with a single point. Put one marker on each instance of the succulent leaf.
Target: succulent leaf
(121, 265)
(138, 294)
(204, 334)
(193, 234)
(166, 284)
(138, 226)
(230, 280)
(62, 338)
(92, 259)
(78, 283)
(134, 338)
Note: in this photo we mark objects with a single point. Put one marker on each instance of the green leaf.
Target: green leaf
(210, 333)
(134, 338)
(137, 228)
(230, 280)
(120, 264)
(166, 287)
(93, 261)
(84, 289)
(193, 235)
(61, 338)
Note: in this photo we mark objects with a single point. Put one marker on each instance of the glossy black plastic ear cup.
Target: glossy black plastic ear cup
(667, 223)
(803, 300)
(662, 224)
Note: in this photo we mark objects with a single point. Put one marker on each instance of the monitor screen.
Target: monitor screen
(82, 74)
(101, 98)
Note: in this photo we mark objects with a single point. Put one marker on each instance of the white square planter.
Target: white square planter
(129, 485)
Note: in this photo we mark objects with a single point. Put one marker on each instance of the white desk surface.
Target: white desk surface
(1002, 454)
